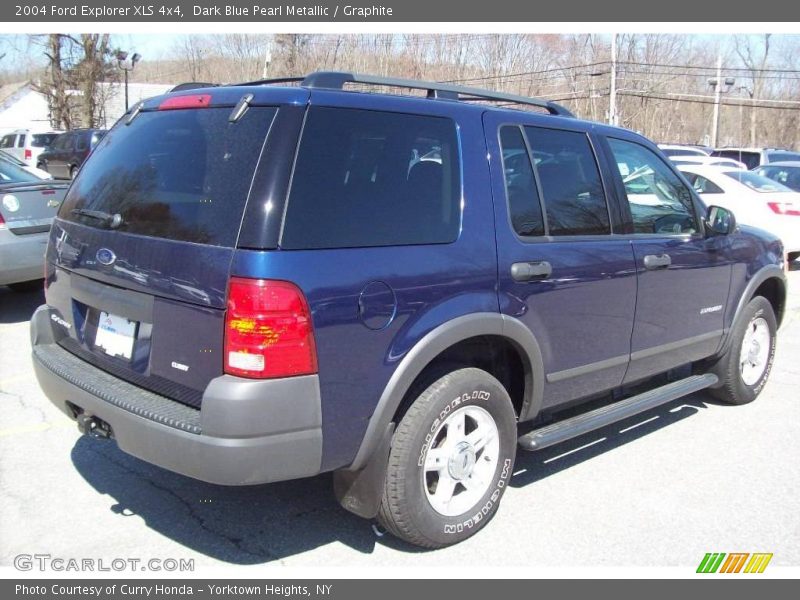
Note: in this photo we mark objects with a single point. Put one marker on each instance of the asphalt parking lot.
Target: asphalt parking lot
(661, 489)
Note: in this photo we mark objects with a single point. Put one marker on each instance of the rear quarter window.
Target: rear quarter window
(179, 174)
(370, 178)
(40, 140)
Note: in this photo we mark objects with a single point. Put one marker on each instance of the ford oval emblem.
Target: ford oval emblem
(106, 256)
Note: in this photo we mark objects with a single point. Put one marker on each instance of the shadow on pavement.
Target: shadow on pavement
(17, 307)
(533, 466)
(240, 525)
(265, 523)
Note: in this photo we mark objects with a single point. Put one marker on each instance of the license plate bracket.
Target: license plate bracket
(116, 335)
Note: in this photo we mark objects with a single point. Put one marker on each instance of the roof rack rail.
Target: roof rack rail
(337, 80)
(192, 85)
(272, 81)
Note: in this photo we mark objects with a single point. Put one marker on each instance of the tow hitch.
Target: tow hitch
(93, 427)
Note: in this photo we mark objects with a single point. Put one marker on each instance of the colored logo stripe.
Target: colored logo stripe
(735, 561)
(758, 563)
(710, 562)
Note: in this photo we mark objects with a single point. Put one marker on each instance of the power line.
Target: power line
(650, 96)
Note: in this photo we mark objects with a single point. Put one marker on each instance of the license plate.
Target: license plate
(115, 335)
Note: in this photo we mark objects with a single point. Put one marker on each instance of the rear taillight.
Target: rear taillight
(28, 154)
(2, 222)
(785, 208)
(190, 101)
(268, 330)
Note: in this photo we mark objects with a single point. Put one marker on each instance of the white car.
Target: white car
(11, 159)
(754, 199)
(27, 145)
(708, 161)
(672, 150)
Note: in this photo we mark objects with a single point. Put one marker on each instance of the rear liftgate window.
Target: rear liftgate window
(177, 174)
(369, 178)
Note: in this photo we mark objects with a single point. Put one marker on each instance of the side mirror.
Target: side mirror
(720, 221)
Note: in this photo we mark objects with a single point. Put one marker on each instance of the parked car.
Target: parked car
(787, 173)
(755, 157)
(27, 207)
(10, 158)
(755, 199)
(298, 298)
(27, 145)
(709, 161)
(672, 150)
(66, 154)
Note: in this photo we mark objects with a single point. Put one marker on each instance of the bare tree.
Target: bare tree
(754, 53)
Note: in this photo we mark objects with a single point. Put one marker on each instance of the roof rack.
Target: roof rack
(271, 81)
(335, 80)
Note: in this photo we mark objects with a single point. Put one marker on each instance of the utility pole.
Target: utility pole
(717, 98)
(612, 96)
(717, 85)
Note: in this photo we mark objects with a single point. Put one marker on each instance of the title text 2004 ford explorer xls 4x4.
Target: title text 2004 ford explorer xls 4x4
(256, 283)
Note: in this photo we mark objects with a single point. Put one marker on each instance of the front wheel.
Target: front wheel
(451, 460)
(745, 367)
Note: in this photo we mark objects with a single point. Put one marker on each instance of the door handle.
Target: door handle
(657, 261)
(527, 271)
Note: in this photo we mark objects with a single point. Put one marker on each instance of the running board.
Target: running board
(586, 422)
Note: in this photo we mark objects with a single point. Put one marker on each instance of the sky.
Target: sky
(17, 48)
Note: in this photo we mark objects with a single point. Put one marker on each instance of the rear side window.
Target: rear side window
(523, 197)
(42, 140)
(177, 174)
(369, 178)
(82, 141)
(573, 191)
(751, 159)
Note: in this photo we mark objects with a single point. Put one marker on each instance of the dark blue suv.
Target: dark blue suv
(272, 280)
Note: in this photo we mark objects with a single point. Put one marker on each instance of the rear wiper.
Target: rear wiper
(112, 221)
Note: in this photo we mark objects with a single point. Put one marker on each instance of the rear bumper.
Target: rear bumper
(246, 432)
(21, 256)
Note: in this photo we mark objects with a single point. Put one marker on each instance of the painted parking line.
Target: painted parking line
(33, 428)
(14, 379)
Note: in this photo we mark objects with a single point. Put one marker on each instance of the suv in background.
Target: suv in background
(27, 145)
(755, 157)
(253, 283)
(68, 151)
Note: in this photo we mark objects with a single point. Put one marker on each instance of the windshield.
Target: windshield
(13, 174)
(178, 174)
(757, 183)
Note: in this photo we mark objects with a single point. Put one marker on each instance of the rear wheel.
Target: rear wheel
(73, 171)
(451, 459)
(745, 367)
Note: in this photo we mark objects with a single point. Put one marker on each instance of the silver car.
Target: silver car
(27, 207)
